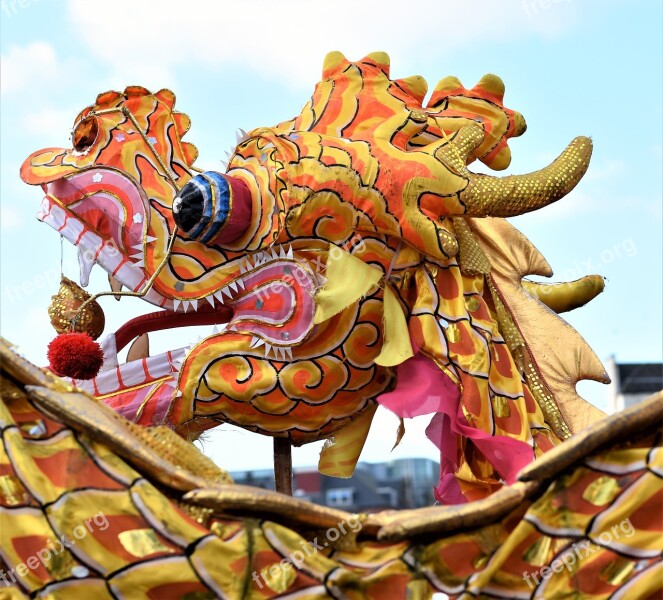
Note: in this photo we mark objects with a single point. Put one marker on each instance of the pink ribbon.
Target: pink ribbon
(423, 389)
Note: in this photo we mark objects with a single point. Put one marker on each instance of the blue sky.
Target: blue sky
(571, 67)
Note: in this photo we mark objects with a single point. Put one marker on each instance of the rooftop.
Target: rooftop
(640, 378)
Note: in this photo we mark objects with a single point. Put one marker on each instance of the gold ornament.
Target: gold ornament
(63, 309)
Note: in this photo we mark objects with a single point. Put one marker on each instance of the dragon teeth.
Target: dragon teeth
(139, 256)
(193, 304)
(86, 262)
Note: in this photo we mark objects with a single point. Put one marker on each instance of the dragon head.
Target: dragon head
(112, 196)
(111, 193)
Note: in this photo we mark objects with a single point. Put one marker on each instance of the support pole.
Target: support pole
(283, 465)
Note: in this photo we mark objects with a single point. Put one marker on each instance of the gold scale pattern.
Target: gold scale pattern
(593, 532)
(514, 195)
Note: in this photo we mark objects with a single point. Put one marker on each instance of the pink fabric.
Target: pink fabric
(423, 389)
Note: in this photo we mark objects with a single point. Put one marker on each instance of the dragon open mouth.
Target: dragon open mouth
(92, 249)
(150, 372)
(267, 301)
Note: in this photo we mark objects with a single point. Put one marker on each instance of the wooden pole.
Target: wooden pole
(283, 465)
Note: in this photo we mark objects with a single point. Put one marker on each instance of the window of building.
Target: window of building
(390, 495)
(340, 497)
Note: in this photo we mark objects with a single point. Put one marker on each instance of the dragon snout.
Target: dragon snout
(213, 209)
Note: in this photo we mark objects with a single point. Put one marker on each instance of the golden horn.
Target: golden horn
(487, 196)
(562, 297)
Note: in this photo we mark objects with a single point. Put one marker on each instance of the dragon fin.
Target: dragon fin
(559, 356)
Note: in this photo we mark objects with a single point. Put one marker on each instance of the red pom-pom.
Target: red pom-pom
(75, 355)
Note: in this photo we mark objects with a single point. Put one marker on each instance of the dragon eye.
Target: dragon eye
(85, 134)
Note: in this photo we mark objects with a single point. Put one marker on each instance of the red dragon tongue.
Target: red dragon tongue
(168, 319)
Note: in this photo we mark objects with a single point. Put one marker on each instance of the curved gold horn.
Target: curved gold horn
(562, 297)
(488, 196)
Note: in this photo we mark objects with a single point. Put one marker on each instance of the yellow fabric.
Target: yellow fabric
(340, 454)
(396, 347)
(348, 279)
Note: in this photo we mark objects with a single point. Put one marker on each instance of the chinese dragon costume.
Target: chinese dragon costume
(353, 259)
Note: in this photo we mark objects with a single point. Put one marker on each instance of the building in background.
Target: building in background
(632, 383)
(400, 483)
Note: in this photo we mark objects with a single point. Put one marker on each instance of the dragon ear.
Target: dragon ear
(491, 85)
(166, 96)
(133, 91)
(332, 63)
(108, 99)
(190, 152)
(415, 85)
(379, 59)
(501, 159)
(182, 123)
(444, 88)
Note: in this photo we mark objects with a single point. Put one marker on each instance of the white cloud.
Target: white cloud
(287, 40)
(23, 67)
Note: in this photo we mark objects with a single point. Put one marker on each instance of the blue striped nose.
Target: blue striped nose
(213, 208)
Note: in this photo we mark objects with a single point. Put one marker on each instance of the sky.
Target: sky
(572, 67)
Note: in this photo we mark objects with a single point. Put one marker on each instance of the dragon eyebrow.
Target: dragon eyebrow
(127, 113)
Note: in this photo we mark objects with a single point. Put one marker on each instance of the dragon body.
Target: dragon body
(350, 254)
